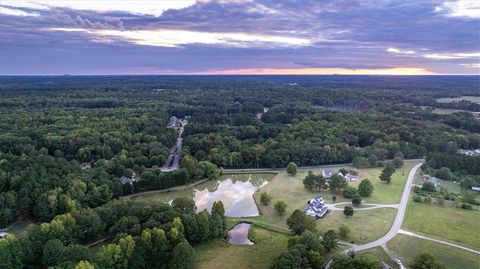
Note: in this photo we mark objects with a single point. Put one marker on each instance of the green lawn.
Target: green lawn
(386, 193)
(365, 225)
(473, 99)
(220, 254)
(19, 229)
(446, 184)
(406, 247)
(444, 222)
(377, 254)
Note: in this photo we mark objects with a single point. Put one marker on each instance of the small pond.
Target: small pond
(238, 235)
(235, 191)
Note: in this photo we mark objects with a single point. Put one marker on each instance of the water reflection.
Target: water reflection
(238, 235)
(236, 193)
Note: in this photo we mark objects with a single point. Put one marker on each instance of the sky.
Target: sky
(127, 37)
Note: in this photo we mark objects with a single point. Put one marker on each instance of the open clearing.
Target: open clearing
(444, 222)
(473, 99)
(365, 225)
(220, 254)
(406, 247)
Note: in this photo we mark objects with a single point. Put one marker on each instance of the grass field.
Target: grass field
(447, 184)
(19, 229)
(365, 225)
(446, 111)
(406, 248)
(220, 254)
(473, 99)
(377, 254)
(444, 222)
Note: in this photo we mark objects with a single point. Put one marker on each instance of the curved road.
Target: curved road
(402, 207)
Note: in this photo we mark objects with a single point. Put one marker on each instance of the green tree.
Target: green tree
(116, 256)
(84, 265)
(309, 182)
(357, 200)
(209, 170)
(298, 222)
(292, 168)
(349, 192)
(265, 198)
(184, 204)
(337, 183)
(429, 186)
(426, 261)
(293, 257)
(387, 173)
(365, 188)
(330, 240)
(218, 208)
(444, 173)
(397, 162)
(344, 231)
(52, 252)
(348, 211)
(183, 256)
(280, 206)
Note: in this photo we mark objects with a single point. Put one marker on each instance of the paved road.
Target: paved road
(397, 224)
(438, 241)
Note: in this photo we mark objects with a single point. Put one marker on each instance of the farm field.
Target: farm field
(406, 247)
(473, 99)
(444, 222)
(220, 254)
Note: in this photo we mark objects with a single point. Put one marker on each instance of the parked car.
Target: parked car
(399, 263)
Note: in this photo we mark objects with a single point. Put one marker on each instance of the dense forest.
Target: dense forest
(66, 141)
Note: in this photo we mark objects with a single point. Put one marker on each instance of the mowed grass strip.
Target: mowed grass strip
(444, 222)
(365, 226)
(406, 247)
(221, 254)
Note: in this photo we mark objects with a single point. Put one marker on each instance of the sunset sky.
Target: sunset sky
(239, 37)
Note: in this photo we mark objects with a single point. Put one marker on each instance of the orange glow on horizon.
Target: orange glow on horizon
(322, 71)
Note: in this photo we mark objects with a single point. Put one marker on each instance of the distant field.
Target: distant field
(406, 247)
(447, 184)
(444, 222)
(220, 254)
(473, 99)
(365, 225)
(446, 111)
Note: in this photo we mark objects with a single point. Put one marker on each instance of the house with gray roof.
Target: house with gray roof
(316, 207)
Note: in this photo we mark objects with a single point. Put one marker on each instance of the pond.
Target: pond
(235, 191)
(238, 235)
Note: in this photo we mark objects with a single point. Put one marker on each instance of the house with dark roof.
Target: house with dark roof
(350, 177)
(126, 180)
(316, 207)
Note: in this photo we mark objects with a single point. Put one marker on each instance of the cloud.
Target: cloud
(176, 38)
(16, 12)
(145, 7)
(78, 21)
(321, 71)
(470, 65)
(460, 8)
(399, 51)
(449, 56)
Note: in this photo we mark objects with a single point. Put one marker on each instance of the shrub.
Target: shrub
(349, 192)
(265, 198)
(357, 201)
(418, 198)
(280, 206)
(348, 211)
(467, 206)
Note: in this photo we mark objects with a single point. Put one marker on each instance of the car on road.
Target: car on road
(399, 263)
